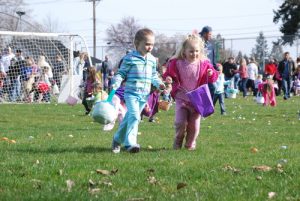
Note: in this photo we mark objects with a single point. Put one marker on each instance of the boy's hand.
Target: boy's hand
(162, 86)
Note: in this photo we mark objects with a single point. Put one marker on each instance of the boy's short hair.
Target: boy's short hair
(141, 35)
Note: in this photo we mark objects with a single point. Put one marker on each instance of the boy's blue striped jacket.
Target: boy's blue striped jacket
(139, 73)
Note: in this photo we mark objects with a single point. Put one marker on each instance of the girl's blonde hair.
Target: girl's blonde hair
(141, 35)
(243, 62)
(192, 38)
(267, 87)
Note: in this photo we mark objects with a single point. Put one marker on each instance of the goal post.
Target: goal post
(41, 67)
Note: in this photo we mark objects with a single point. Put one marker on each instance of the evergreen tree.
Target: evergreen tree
(239, 57)
(260, 52)
(289, 14)
(277, 50)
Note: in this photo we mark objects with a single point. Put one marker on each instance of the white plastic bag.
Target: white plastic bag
(55, 89)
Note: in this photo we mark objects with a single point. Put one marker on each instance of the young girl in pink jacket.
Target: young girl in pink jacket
(268, 92)
(188, 70)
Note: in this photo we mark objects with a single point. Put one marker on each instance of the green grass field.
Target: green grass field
(59, 154)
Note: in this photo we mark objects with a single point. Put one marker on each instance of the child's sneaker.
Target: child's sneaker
(116, 147)
(133, 149)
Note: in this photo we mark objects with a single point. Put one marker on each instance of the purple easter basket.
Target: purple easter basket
(201, 100)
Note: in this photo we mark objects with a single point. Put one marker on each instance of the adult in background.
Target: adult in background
(277, 80)
(13, 74)
(86, 65)
(298, 61)
(286, 67)
(229, 69)
(59, 68)
(18, 55)
(243, 72)
(206, 35)
(106, 68)
(5, 62)
(270, 68)
(252, 73)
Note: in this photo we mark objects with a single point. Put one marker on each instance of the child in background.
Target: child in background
(268, 92)
(139, 69)
(296, 84)
(89, 88)
(257, 81)
(151, 107)
(219, 91)
(99, 94)
(189, 69)
(44, 85)
(167, 92)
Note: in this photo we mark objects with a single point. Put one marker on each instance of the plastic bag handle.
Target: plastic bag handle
(111, 95)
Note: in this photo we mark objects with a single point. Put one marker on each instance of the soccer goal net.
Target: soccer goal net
(41, 67)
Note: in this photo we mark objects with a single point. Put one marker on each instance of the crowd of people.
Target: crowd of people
(22, 79)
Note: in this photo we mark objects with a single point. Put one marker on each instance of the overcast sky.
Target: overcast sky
(231, 18)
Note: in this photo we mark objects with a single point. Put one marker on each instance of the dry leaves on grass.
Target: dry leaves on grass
(37, 184)
(271, 195)
(91, 183)
(263, 168)
(254, 150)
(94, 191)
(136, 199)
(12, 141)
(94, 186)
(151, 170)
(107, 172)
(70, 184)
(181, 185)
(152, 180)
(4, 139)
(258, 178)
(279, 168)
(230, 168)
(60, 172)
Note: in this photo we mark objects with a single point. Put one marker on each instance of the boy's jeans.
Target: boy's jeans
(128, 129)
(220, 97)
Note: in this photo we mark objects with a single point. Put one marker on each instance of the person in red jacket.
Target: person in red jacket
(270, 68)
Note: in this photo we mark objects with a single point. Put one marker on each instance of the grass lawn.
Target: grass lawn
(58, 153)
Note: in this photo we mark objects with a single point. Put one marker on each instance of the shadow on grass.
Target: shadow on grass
(87, 149)
(56, 150)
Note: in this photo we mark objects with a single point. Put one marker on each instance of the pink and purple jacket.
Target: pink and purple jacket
(269, 98)
(203, 78)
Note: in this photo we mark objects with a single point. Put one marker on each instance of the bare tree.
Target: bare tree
(52, 25)
(120, 37)
(164, 48)
(10, 20)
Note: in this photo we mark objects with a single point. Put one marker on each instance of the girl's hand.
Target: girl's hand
(209, 72)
